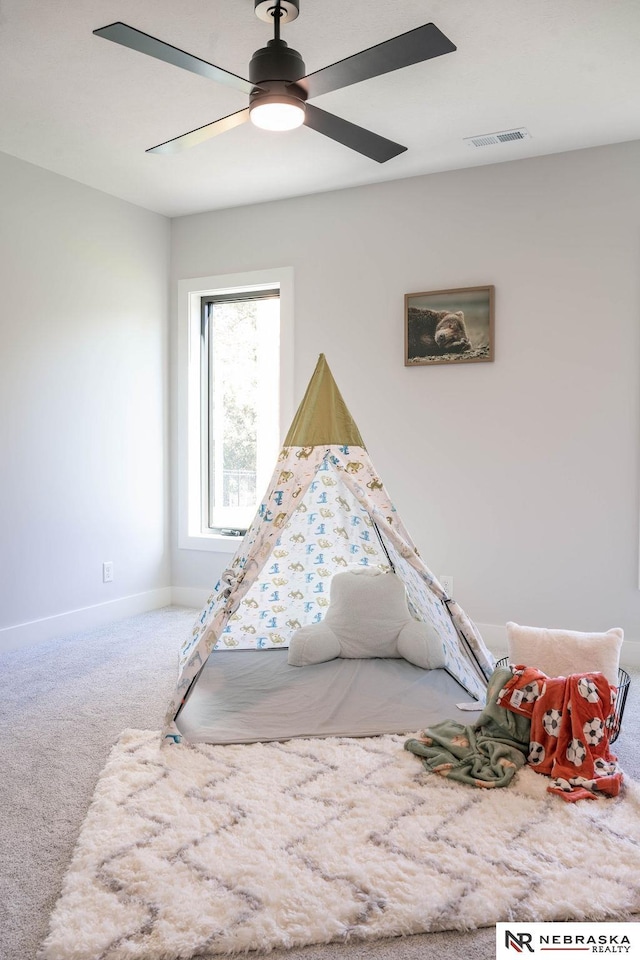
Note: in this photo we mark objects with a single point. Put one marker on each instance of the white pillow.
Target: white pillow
(559, 653)
(367, 617)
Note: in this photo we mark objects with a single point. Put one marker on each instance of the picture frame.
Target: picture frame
(449, 326)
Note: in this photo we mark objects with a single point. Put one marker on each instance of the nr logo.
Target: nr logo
(518, 941)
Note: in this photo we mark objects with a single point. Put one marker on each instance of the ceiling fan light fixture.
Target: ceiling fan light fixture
(277, 112)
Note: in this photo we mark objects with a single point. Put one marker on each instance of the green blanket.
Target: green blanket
(486, 754)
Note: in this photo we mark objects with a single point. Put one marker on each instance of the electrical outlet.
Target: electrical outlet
(107, 571)
(446, 583)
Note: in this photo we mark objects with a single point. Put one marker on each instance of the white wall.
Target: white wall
(520, 477)
(83, 401)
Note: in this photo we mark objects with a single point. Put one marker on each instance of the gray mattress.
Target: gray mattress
(244, 696)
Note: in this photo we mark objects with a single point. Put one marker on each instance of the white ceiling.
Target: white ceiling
(86, 108)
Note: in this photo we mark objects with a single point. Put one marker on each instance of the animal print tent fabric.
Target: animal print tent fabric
(325, 509)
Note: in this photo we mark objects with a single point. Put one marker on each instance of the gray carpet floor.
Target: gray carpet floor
(62, 706)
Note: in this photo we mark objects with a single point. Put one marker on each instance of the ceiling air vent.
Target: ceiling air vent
(505, 136)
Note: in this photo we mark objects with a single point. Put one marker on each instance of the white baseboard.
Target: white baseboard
(630, 654)
(195, 597)
(86, 618)
(495, 637)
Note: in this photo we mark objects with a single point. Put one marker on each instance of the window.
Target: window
(235, 399)
(240, 352)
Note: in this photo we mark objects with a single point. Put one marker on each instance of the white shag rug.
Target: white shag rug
(190, 850)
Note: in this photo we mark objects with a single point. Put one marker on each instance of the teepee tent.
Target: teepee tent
(325, 509)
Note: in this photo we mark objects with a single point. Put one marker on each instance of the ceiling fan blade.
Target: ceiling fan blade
(201, 134)
(357, 138)
(136, 40)
(417, 45)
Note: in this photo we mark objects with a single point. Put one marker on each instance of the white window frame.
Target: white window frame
(191, 535)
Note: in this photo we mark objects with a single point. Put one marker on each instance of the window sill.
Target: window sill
(213, 542)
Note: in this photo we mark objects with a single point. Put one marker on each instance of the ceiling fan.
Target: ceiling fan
(278, 88)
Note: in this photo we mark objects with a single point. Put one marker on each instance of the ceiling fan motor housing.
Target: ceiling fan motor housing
(276, 61)
(275, 69)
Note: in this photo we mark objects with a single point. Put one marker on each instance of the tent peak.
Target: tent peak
(323, 416)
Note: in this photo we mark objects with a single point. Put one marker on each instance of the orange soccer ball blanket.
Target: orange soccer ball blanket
(569, 739)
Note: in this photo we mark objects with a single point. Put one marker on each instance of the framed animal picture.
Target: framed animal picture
(448, 326)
